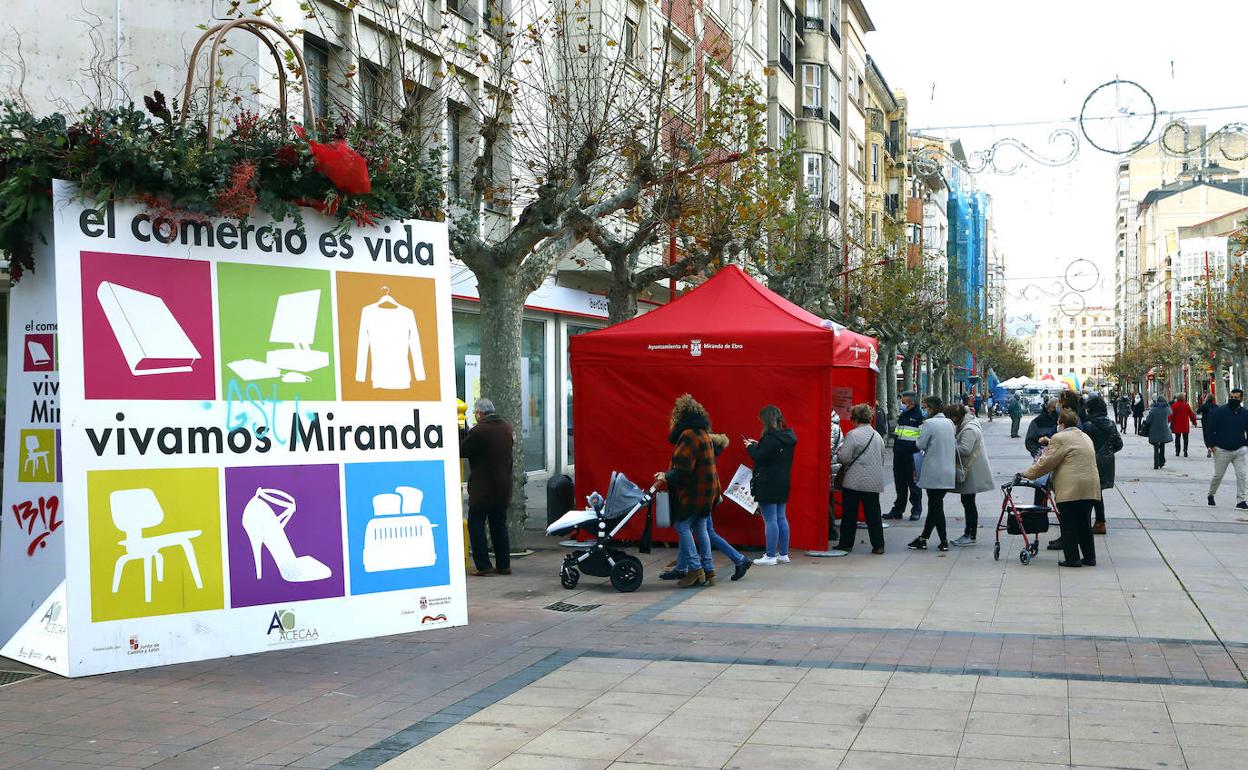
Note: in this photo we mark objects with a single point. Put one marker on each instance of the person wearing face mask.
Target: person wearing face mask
(1042, 427)
(1228, 429)
(904, 437)
(1070, 460)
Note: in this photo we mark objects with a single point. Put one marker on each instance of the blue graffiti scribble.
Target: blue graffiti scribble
(257, 412)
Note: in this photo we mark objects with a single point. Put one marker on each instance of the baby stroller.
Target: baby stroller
(1024, 520)
(624, 499)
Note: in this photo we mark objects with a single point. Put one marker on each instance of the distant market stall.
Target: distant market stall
(736, 346)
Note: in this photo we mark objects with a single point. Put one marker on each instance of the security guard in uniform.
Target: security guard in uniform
(904, 437)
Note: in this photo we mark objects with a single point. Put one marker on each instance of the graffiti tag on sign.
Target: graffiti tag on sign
(38, 514)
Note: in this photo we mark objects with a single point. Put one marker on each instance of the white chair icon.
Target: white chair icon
(34, 455)
(133, 511)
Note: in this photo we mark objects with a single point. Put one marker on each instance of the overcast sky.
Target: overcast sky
(988, 61)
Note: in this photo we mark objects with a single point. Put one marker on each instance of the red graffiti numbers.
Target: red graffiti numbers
(38, 514)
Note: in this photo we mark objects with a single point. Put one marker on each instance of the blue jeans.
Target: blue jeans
(722, 544)
(776, 525)
(695, 545)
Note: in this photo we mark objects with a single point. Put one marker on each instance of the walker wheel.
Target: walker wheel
(1024, 556)
(996, 552)
(569, 577)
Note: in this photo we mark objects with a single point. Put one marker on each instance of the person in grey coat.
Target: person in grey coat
(1156, 426)
(974, 474)
(863, 452)
(938, 475)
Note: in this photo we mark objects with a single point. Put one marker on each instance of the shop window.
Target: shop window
(467, 330)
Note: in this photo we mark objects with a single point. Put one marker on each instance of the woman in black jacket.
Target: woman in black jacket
(1207, 405)
(773, 460)
(1106, 441)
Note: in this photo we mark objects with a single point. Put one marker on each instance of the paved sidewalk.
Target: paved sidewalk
(875, 645)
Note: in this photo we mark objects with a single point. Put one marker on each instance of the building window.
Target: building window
(372, 86)
(834, 182)
(875, 163)
(814, 12)
(875, 228)
(814, 175)
(316, 57)
(632, 24)
(454, 146)
(859, 158)
(784, 126)
(812, 86)
(834, 97)
(786, 39)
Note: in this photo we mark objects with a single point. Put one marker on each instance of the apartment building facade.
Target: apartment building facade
(1080, 344)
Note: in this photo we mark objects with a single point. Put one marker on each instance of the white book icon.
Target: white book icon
(149, 335)
(38, 353)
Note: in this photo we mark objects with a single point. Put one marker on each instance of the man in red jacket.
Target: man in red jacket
(1181, 420)
(487, 447)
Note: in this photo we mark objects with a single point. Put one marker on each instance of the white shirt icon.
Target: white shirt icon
(388, 334)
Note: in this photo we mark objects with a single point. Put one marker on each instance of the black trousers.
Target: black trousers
(1180, 438)
(496, 517)
(1077, 543)
(851, 499)
(1098, 508)
(935, 514)
(1122, 421)
(903, 480)
(972, 515)
(1137, 418)
(1159, 455)
(1014, 421)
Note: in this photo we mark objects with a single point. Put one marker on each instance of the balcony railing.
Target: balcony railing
(786, 63)
(812, 22)
(834, 33)
(892, 147)
(812, 112)
(836, 122)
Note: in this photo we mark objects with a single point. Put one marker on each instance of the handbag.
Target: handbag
(964, 469)
(838, 482)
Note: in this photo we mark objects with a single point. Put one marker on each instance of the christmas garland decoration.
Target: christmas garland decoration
(362, 173)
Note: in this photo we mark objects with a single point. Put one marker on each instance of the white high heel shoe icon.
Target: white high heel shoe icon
(264, 521)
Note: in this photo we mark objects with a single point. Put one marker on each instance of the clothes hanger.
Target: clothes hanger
(386, 298)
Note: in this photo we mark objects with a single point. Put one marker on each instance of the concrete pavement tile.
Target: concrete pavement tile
(536, 717)
(705, 705)
(917, 719)
(582, 680)
(579, 745)
(834, 694)
(681, 751)
(640, 701)
(425, 756)
(739, 672)
(1211, 696)
(710, 728)
(606, 665)
(817, 713)
(754, 756)
(1212, 736)
(1053, 688)
(878, 760)
(842, 677)
(534, 695)
(683, 669)
(721, 688)
(1037, 725)
(1129, 732)
(951, 701)
(818, 736)
(1014, 748)
(971, 763)
(537, 762)
(1141, 756)
(907, 680)
(891, 739)
(1019, 704)
(1207, 758)
(612, 720)
(1107, 711)
(673, 685)
(471, 736)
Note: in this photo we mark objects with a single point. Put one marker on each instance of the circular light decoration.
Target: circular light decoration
(1072, 304)
(1082, 275)
(1231, 140)
(1118, 117)
(1132, 287)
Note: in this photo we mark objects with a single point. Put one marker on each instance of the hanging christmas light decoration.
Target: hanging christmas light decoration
(1223, 140)
(1118, 117)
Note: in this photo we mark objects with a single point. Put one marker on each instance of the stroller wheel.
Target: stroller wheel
(1024, 556)
(569, 577)
(996, 552)
(626, 574)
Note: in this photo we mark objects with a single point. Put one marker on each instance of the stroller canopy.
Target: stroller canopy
(622, 496)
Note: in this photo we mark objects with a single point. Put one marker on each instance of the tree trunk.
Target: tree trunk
(502, 309)
(621, 302)
(907, 371)
(881, 382)
(890, 398)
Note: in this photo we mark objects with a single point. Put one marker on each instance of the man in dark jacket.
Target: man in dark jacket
(1228, 428)
(1044, 425)
(904, 436)
(487, 447)
(1105, 441)
(1016, 415)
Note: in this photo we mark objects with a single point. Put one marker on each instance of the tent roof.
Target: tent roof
(731, 319)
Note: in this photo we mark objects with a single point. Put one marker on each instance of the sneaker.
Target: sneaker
(1211, 502)
(1098, 528)
(743, 567)
(917, 544)
(878, 551)
(1242, 505)
(837, 552)
(964, 540)
(891, 515)
(671, 574)
(944, 546)
(783, 558)
(915, 516)
(1055, 544)
(766, 561)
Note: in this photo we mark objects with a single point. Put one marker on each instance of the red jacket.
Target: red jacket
(1182, 417)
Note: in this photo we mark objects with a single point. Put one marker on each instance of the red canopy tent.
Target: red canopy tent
(736, 346)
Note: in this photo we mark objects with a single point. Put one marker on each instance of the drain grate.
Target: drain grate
(9, 677)
(565, 607)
